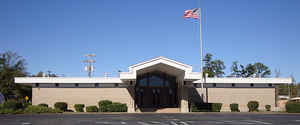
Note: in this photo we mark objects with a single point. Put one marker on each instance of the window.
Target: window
(116, 84)
(214, 85)
(37, 84)
(56, 85)
(270, 85)
(155, 81)
(96, 84)
(143, 82)
(233, 85)
(76, 84)
(166, 83)
(251, 84)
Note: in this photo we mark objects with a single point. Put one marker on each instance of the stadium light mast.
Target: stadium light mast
(89, 66)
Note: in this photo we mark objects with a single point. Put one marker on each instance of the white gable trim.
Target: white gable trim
(162, 60)
(131, 75)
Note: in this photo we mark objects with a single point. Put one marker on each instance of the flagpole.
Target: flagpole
(201, 54)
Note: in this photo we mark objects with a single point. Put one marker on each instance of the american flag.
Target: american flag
(191, 13)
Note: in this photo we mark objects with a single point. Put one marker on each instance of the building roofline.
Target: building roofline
(247, 80)
(67, 80)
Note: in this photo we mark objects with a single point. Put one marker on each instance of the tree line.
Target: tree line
(216, 67)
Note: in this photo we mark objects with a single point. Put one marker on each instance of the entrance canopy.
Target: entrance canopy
(162, 64)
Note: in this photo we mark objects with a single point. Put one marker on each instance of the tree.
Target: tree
(251, 70)
(214, 68)
(12, 65)
(40, 74)
(238, 70)
(261, 70)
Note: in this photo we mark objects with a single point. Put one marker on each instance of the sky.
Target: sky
(56, 34)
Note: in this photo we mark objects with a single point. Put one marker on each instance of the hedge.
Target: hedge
(79, 107)
(91, 109)
(234, 107)
(11, 111)
(292, 107)
(43, 104)
(253, 106)
(41, 109)
(216, 107)
(104, 105)
(63, 106)
(268, 107)
(117, 107)
(205, 107)
(12, 105)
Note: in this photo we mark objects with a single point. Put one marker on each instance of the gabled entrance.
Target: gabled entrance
(159, 83)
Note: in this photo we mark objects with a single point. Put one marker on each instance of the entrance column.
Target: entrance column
(184, 105)
(131, 104)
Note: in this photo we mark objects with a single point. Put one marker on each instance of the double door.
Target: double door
(156, 97)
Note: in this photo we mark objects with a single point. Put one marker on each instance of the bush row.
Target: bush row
(41, 109)
(234, 107)
(15, 107)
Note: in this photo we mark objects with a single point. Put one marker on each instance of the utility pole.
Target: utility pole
(89, 67)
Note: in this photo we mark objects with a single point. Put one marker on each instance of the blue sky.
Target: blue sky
(55, 34)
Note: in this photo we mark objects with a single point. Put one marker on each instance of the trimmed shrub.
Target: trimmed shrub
(292, 107)
(41, 109)
(268, 107)
(43, 104)
(203, 107)
(117, 107)
(194, 108)
(61, 106)
(103, 105)
(234, 107)
(216, 107)
(253, 106)
(79, 107)
(12, 104)
(10, 111)
(91, 109)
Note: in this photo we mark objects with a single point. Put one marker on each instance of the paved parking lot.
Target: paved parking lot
(152, 119)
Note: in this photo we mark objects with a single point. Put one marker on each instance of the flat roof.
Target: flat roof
(118, 80)
(247, 80)
(67, 80)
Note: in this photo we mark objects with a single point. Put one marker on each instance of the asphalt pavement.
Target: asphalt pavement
(153, 119)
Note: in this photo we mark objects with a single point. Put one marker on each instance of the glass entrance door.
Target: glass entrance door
(155, 90)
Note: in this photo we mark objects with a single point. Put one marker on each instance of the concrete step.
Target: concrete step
(159, 110)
